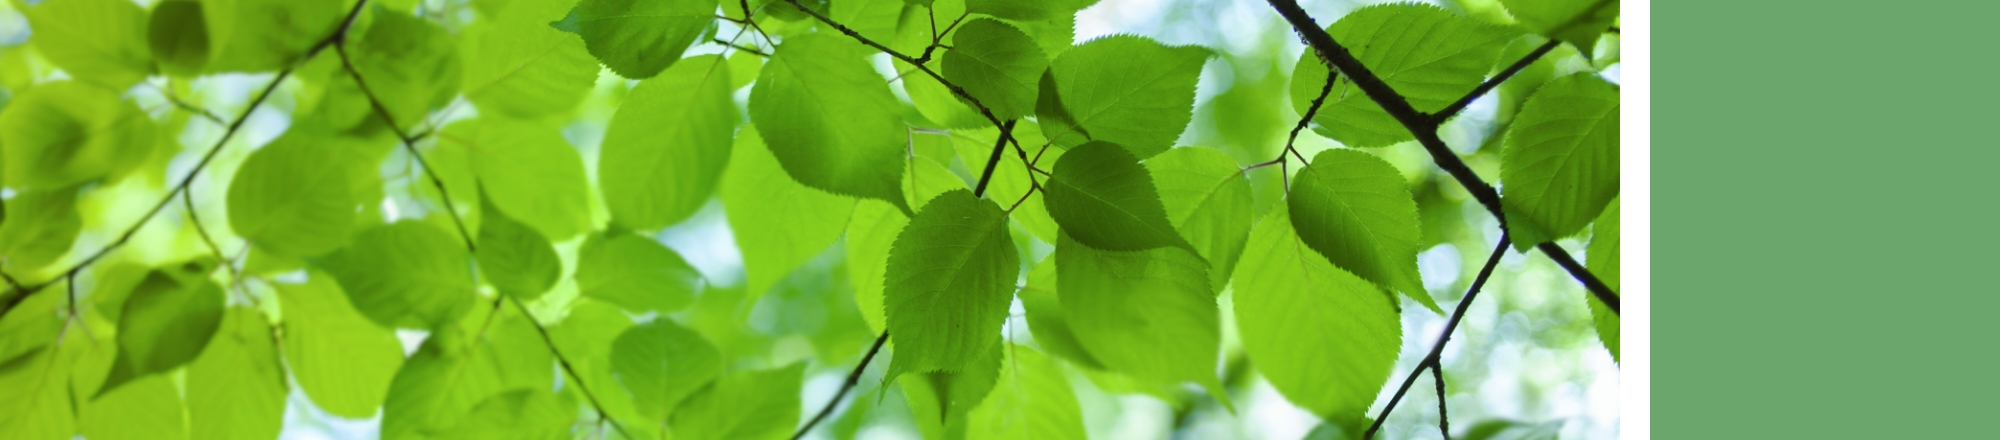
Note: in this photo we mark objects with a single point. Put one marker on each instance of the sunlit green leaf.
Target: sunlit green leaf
(666, 148)
(940, 400)
(523, 414)
(265, 35)
(343, 361)
(636, 273)
(236, 389)
(38, 404)
(178, 36)
(637, 39)
(1560, 165)
(1148, 314)
(405, 275)
(514, 258)
(40, 228)
(745, 405)
(1103, 198)
(950, 277)
(1323, 337)
(1354, 208)
(1428, 55)
(520, 66)
(99, 41)
(662, 363)
(457, 369)
(1208, 200)
(148, 408)
(530, 172)
(1031, 401)
(1047, 319)
(167, 321)
(295, 196)
(1603, 262)
(997, 64)
(1578, 22)
(62, 133)
(830, 119)
(1126, 90)
(409, 63)
(779, 223)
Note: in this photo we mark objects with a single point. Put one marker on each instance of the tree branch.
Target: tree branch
(206, 158)
(1444, 420)
(1455, 107)
(751, 50)
(993, 161)
(853, 378)
(1437, 349)
(1424, 128)
(564, 362)
(409, 143)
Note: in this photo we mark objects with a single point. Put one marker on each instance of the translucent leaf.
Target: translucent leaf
(42, 227)
(38, 405)
(266, 35)
(529, 172)
(1047, 319)
(636, 273)
(296, 196)
(514, 258)
(1354, 208)
(102, 42)
(62, 133)
(666, 147)
(1126, 90)
(1324, 338)
(1603, 262)
(745, 405)
(1103, 198)
(1019, 9)
(873, 228)
(661, 363)
(1031, 401)
(874, 19)
(1430, 56)
(997, 64)
(410, 63)
(830, 119)
(343, 361)
(520, 66)
(406, 274)
(147, 409)
(1560, 165)
(178, 36)
(458, 368)
(522, 414)
(1577, 22)
(779, 223)
(1208, 200)
(1010, 178)
(236, 389)
(940, 400)
(169, 318)
(639, 38)
(1149, 314)
(950, 277)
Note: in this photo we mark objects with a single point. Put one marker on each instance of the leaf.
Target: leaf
(296, 196)
(1149, 314)
(38, 404)
(1208, 200)
(746, 405)
(410, 64)
(59, 134)
(996, 64)
(1603, 262)
(404, 275)
(1125, 90)
(43, 227)
(872, 232)
(519, 66)
(940, 400)
(636, 273)
(1018, 9)
(1323, 337)
(830, 119)
(515, 258)
(1048, 321)
(236, 389)
(169, 318)
(343, 361)
(1354, 209)
(1430, 56)
(662, 363)
(177, 34)
(637, 39)
(102, 42)
(1577, 22)
(1560, 165)
(1103, 198)
(530, 173)
(665, 149)
(1010, 178)
(453, 372)
(522, 414)
(1031, 401)
(36, 321)
(779, 223)
(873, 19)
(146, 409)
(950, 277)
(265, 35)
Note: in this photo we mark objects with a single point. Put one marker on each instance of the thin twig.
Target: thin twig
(993, 161)
(564, 362)
(235, 277)
(1455, 107)
(184, 105)
(1437, 349)
(409, 143)
(853, 378)
(1444, 420)
(751, 50)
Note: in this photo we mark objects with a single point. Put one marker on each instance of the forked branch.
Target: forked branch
(1437, 349)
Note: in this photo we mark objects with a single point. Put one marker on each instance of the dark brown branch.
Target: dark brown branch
(751, 50)
(993, 161)
(853, 378)
(409, 143)
(1424, 128)
(182, 185)
(1437, 349)
(1444, 420)
(1455, 107)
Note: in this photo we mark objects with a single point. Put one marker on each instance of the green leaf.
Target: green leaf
(746, 405)
(146, 409)
(522, 414)
(1355, 209)
(455, 370)
(38, 404)
(343, 361)
(830, 119)
(405, 274)
(1577, 22)
(950, 277)
(997, 64)
(1031, 401)
(530, 172)
(666, 147)
(410, 64)
(1603, 262)
(1324, 338)
(1149, 314)
(236, 389)
(779, 223)
(871, 232)
(514, 258)
(1048, 320)
(1126, 90)
(1019, 9)
(1560, 165)
(636, 273)
(266, 35)
(43, 227)
(637, 39)
(519, 66)
(1103, 198)
(102, 42)
(873, 19)
(940, 400)
(1010, 178)
(1208, 200)
(1430, 56)
(178, 36)
(63, 133)
(169, 318)
(662, 363)
(296, 196)
(37, 320)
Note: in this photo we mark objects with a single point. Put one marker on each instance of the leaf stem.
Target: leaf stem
(1437, 349)
(1455, 107)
